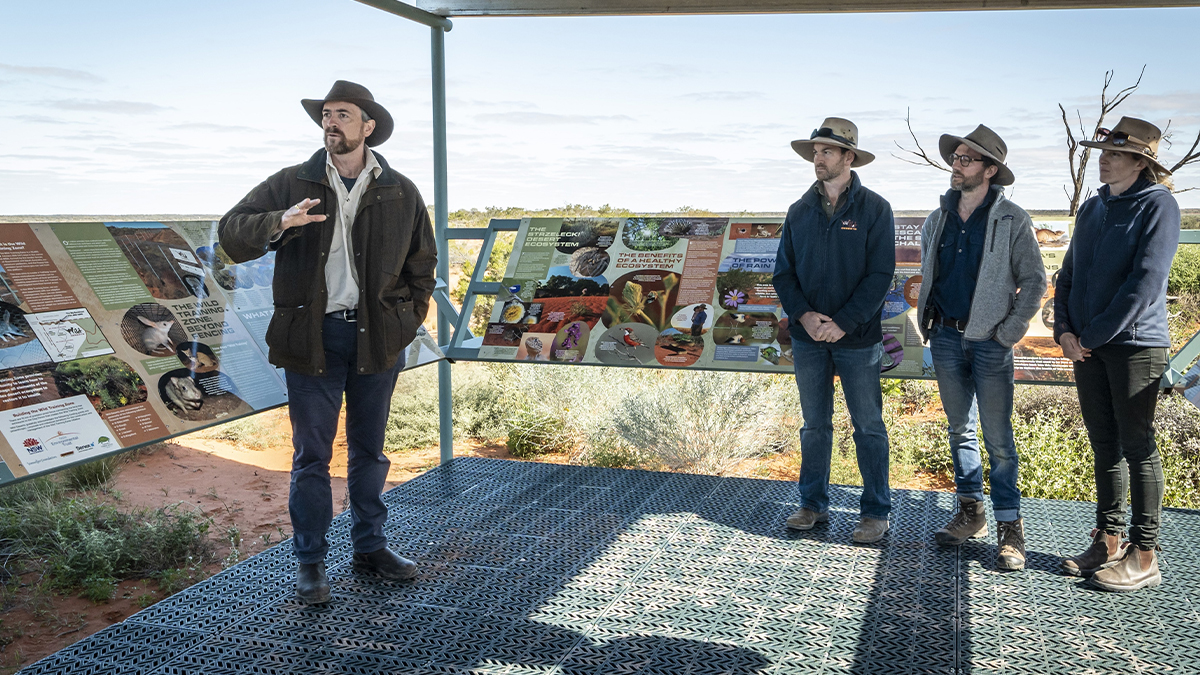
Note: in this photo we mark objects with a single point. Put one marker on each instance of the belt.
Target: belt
(348, 315)
(960, 326)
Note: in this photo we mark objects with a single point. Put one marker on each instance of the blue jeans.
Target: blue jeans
(314, 403)
(975, 382)
(859, 369)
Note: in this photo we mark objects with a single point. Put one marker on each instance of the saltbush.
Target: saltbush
(478, 396)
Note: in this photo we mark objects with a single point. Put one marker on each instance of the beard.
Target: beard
(826, 172)
(958, 181)
(338, 144)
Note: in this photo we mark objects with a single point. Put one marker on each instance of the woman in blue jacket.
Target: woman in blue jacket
(1110, 317)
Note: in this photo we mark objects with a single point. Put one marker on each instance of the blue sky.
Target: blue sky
(153, 107)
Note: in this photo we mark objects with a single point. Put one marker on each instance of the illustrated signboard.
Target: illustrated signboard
(697, 293)
(115, 335)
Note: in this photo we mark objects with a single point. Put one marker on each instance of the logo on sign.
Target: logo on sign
(33, 446)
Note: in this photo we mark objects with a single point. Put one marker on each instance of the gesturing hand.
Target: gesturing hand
(298, 215)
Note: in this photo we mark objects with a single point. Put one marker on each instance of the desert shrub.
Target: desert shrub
(87, 544)
(1177, 428)
(94, 475)
(1184, 277)
(254, 433)
(478, 397)
(709, 421)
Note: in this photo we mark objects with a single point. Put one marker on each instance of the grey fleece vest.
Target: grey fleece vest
(1011, 280)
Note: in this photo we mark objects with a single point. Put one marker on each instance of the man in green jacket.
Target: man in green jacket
(354, 272)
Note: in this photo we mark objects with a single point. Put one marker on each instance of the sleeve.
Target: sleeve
(1148, 278)
(1029, 275)
(246, 231)
(1062, 294)
(866, 300)
(420, 265)
(787, 284)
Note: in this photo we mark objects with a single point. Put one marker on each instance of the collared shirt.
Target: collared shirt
(341, 276)
(827, 206)
(959, 253)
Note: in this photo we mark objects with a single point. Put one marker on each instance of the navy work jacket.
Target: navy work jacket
(841, 266)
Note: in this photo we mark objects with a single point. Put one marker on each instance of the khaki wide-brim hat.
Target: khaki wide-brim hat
(839, 133)
(359, 96)
(1137, 137)
(987, 143)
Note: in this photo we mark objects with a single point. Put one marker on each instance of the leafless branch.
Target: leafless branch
(923, 157)
(1183, 190)
(1189, 157)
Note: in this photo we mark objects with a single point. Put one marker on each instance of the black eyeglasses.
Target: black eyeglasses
(964, 160)
(826, 132)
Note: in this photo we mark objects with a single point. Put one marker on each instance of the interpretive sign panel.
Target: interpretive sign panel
(114, 335)
(697, 293)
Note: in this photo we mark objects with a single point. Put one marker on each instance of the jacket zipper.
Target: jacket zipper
(995, 226)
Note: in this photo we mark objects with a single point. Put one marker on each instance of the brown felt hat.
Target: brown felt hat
(837, 132)
(359, 96)
(987, 143)
(1134, 136)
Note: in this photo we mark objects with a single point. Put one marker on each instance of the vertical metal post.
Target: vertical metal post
(441, 221)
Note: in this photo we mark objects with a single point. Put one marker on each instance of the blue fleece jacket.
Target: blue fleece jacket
(841, 267)
(1112, 288)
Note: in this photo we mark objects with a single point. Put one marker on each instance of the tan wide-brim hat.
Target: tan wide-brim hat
(1137, 137)
(359, 96)
(987, 143)
(839, 133)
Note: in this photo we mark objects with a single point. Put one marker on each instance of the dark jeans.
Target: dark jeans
(859, 369)
(314, 404)
(1118, 391)
(975, 381)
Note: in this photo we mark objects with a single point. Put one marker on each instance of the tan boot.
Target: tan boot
(1138, 569)
(1105, 551)
(1010, 545)
(969, 521)
(807, 519)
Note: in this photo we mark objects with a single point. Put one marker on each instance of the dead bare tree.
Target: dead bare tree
(1079, 155)
(1192, 156)
(919, 153)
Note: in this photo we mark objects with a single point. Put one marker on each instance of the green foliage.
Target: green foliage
(478, 398)
(86, 544)
(98, 589)
(106, 378)
(253, 433)
(1190, 221)
(1184, 277)
(94, 475)
(532, 433)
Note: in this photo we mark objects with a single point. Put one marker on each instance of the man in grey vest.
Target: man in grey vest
(982, 282)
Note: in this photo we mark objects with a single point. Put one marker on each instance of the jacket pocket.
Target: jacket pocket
(288, 338)
(399, 326)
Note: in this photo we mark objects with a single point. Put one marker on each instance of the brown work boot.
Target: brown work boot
(807, 519)
(969, 521)
(1010, 544)
(1105, 551)
(869, 530)
(1138, 569)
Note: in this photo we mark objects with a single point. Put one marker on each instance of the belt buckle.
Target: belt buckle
(350, 315)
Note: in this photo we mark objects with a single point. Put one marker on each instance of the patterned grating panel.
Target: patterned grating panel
(552, 570)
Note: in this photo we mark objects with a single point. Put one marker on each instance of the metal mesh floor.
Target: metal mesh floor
(543, 569)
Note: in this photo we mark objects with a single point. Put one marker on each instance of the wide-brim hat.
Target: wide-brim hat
(839, 133)
(359, 96)
(1137, 137)
(987, 143)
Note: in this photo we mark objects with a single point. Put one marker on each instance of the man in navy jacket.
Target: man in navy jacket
(836, 259)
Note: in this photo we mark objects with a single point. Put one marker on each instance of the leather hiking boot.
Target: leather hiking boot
(312, 585)
(869, 530)
(969, 521)
(386, 564)
(1129, 574)
(807, 519)
(1095, 558)
(1010, 544)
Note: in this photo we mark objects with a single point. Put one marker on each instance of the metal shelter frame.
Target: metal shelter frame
(453, 343)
